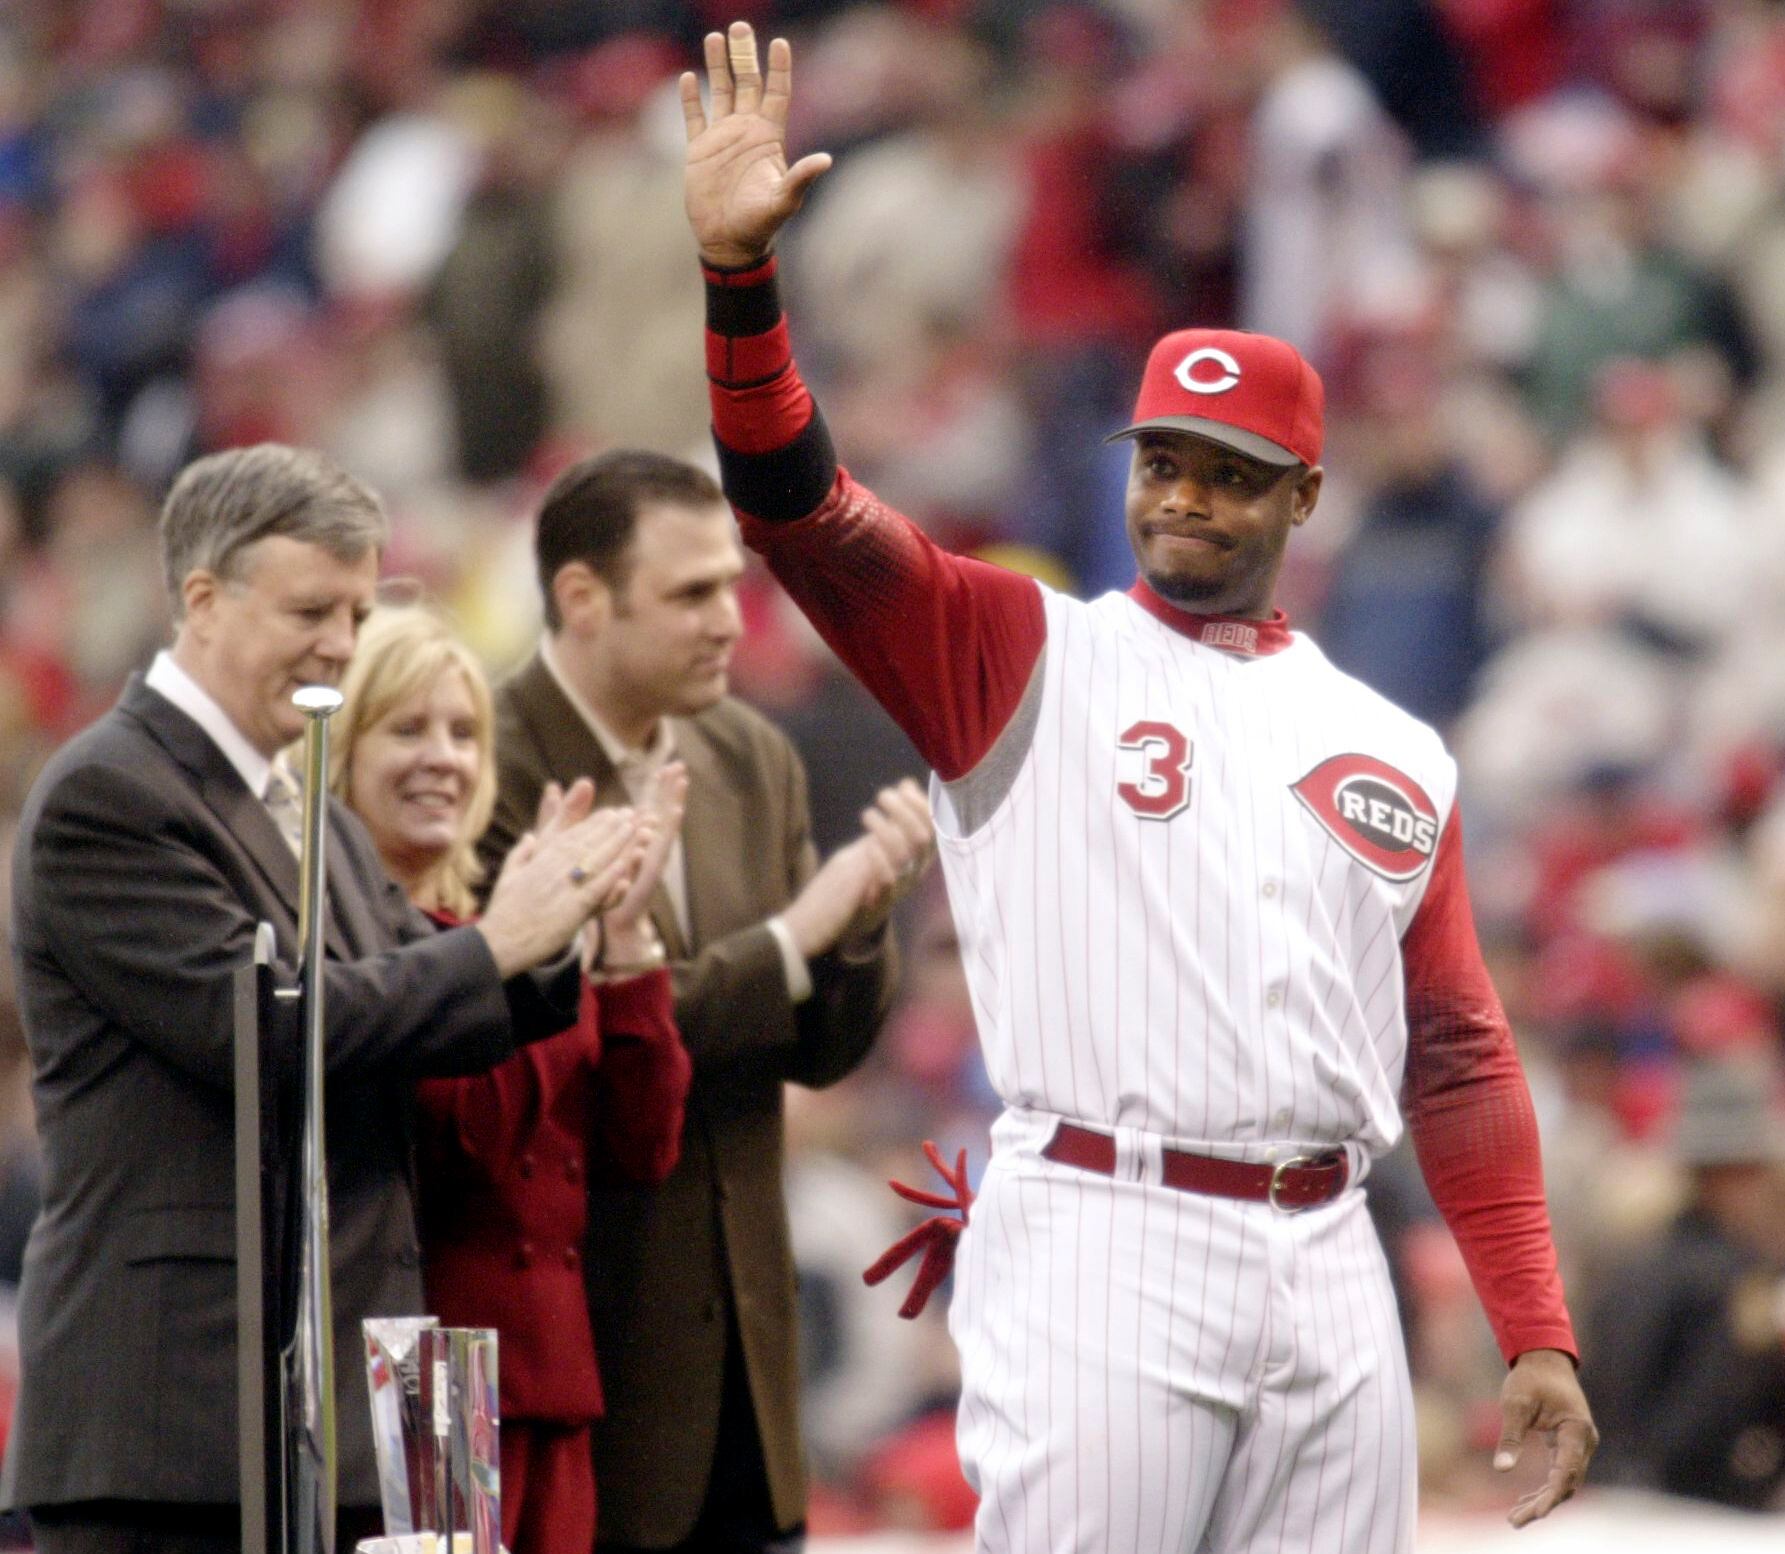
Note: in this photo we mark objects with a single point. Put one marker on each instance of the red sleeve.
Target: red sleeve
(946, 644)
(641, 1083)
(489, 1117)
(1471, 1118)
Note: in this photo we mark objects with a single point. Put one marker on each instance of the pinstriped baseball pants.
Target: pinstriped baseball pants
(1153, 1371)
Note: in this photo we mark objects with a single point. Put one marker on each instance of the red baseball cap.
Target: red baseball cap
(1254, 393)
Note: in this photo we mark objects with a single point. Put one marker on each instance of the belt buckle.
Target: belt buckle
(1277, 1171)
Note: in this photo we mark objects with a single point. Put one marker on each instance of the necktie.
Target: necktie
(285, 803)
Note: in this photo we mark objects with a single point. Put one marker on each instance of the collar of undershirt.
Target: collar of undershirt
(1229, 633)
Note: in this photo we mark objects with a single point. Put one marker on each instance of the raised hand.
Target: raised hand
(736, 182)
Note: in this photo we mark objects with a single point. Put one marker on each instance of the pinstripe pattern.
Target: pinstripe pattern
(1102, 1415)
(1144, 1370)
(1231, 975)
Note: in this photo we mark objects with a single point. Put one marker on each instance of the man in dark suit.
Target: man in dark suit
(781, 970)
(146, 857)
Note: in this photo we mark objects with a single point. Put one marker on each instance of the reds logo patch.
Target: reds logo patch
(1192, 372)
(1382, 817)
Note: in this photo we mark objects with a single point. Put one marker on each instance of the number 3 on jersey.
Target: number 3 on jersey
(1164, 788)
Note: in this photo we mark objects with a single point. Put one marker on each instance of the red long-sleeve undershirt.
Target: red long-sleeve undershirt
(1467, 1106)
(947, 645)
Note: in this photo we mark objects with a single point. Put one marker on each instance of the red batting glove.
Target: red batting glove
(936, 1237)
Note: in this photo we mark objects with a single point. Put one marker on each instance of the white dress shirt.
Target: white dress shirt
(168, 679)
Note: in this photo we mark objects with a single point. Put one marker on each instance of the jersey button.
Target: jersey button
(1270, 888)
(1274, 997)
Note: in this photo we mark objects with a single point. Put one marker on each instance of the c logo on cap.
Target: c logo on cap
(1185, 370)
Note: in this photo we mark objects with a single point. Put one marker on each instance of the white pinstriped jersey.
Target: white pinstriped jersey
(1183, 911)
(1210, 891)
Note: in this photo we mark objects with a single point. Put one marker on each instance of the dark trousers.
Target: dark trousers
(157, 1527)
(737, 1516)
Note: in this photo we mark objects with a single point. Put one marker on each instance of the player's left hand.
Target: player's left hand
(1543, 1394)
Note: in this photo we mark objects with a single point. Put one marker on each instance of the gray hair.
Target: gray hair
(225, 503)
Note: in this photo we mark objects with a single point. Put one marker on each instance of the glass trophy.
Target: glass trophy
(475, 1452)
(436, 1424)
(406, 1459)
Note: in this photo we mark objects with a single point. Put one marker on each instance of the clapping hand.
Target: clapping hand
(554, 879)
(903, 831)
(627, 935)
(560, 806)
(860, 883)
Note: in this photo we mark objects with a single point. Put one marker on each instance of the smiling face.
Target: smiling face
(287, 618)
(414, 772)
(1209, 525)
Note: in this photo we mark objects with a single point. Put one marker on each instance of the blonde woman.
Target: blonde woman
(505, 1155)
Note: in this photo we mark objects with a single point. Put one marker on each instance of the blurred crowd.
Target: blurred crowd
(1537, 249)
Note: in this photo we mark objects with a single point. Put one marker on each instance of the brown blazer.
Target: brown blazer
(668, 1266)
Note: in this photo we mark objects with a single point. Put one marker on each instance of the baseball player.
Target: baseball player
(1211, 904)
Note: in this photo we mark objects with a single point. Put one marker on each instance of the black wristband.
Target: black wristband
(788, 482)
(736, 312)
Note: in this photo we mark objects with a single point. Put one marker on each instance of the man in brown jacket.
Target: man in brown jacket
(782, 972)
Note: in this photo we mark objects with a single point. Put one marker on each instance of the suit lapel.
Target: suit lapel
(568, 744)
(350, 912)
(248, 821)
(242, 814)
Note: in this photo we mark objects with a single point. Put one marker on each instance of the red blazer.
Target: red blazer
(504, 1162)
